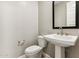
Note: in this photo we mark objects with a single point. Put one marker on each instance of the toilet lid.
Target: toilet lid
(33, 49)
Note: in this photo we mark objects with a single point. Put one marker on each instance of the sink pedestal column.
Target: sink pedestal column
(59, 52)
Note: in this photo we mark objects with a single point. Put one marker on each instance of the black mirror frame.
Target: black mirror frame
(76, 15)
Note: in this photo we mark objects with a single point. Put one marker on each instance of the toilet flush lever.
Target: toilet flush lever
(21, 43)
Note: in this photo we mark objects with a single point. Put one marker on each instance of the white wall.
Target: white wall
(18, 21)
(45, 17)
(45, 26)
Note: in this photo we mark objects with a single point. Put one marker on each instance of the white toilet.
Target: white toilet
(35, 51)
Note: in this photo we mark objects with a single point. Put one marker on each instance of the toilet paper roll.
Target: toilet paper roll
(21, 43)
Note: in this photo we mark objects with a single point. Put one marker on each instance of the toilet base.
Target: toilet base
(37, 55)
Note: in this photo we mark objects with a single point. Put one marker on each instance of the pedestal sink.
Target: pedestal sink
(60, 42)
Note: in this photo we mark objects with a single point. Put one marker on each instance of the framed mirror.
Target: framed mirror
(65, 14)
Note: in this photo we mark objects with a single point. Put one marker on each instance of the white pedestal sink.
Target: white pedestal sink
(60, 42)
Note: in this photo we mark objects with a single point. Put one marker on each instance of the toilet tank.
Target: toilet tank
(42, 42)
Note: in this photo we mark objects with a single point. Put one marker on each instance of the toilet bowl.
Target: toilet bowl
(35, 51)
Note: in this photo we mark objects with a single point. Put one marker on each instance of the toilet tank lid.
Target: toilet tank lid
(33, 49)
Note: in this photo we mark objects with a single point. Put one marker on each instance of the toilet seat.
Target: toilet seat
(33, 49)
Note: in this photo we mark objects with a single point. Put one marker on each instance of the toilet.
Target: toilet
(35, 51)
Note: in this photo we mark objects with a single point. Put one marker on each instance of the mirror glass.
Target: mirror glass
(64, 13)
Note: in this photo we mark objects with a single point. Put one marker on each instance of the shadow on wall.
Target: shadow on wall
(50, 49)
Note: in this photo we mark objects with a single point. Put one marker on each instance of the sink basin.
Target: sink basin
(61, 40)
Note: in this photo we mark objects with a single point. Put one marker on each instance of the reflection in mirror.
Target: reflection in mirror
(64, 13)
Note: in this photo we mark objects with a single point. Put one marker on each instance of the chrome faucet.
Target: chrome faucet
(61, 30)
